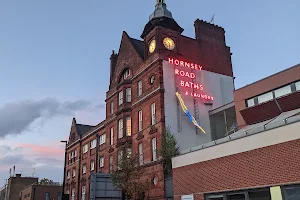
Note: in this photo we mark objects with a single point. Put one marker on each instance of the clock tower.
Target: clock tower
(161, 32)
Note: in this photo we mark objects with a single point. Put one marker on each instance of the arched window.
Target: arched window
(126, 74)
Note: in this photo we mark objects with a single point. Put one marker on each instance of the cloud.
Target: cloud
(47, 161)
(17, 117)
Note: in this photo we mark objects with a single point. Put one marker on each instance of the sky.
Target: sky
(54, 63)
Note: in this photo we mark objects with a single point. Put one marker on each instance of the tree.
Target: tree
(46, 181)
(128, 177)
(168, 150)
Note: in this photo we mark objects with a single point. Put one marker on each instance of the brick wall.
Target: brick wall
(277, 164)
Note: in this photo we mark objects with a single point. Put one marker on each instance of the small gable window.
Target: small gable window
(126, 74)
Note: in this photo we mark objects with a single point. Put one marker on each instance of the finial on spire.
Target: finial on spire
(161, 10)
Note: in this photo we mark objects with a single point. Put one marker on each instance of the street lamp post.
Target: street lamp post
(63, 193)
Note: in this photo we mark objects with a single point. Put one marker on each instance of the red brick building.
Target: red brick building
(40, 191)
(141, 100)
(259, 161)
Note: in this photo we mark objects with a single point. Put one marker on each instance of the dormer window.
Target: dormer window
(126, 74)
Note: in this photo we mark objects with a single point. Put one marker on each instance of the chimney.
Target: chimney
(113, 62)
(18, 175)
(209, 32)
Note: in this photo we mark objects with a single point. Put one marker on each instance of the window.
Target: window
(265, 97)
(68, 192)
(47, 196)
(92, 165)
(128, 95)
(129, 152)
(69, 156)
(121, 98)
(140, 120)
(102, 162)
(153, 120)
(72, 154)
(75, 153)
(154, 149)
(84, 169)
(250, 102)
(59, 196)
(112, 136)
(111, 107)
(73, 194)
(68, 174)
(291, 192)
(128, 126)
(74, 172)
(83, 193)
(140, 88)
(102, 139)
(93, 143)
(141, 157)
(283, 91)
(252, 194)
(85, 148)
(111, 164)
(126, 74)
(297, 86)
(120, 127)
(120, 155)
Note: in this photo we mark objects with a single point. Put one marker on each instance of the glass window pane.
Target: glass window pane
(292, 192)
(260, 195)
(298, 86)
(250, 102)
(236, 197)
(265, 97)
(283, 91)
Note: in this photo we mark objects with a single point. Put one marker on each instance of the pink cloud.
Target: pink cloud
(54, 151)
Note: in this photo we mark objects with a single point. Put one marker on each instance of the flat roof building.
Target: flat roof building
(258, 161)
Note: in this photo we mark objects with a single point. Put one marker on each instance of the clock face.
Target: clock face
(152, 46)
(169, 43)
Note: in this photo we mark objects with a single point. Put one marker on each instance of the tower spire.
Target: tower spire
(160, 10)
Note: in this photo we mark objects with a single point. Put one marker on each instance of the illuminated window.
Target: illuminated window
(153, 120)
(111, 164)
(140, 120)
(84, 169)
(121, 98)
(111, 135)
(102, 139)
(128, 126)
(265, 97)
(85, 148)
(126, 74)
(93, 143)
(102, 162)
(74, 172)
(154, 149)
(120, 128)
(111, 108)
(141, 156)
(297, 86)
(250, 102)
(283, 91)
(83, 193)
(140, 88)
(92, 165)
(128, 95)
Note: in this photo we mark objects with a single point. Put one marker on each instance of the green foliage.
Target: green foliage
(46, 181)
(168, 150)
(127, 177)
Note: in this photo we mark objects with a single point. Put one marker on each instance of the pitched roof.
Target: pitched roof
(82, 128)
(139, 46)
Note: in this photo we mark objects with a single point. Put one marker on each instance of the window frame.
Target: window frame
(154, 149)
(111, 107)
(92, 167)
(140, 117)
(141, 154)
(101, 160)
(112, 136)
(140, 87)
(128, 95)
(102, 139)
(121, 98)
(153, 114)
(93, 143)
(120, 128)
(128, 126)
